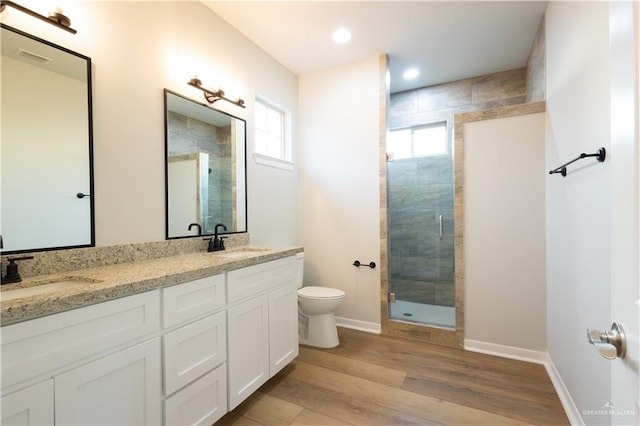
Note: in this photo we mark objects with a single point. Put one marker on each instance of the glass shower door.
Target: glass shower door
(420, 194)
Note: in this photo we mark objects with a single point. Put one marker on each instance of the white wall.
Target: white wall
(578, 206)
(137, 49)
(339, 190)
(504, 223)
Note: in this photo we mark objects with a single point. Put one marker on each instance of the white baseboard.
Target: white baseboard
(537, 357)
(563, 393)
(512, 352)
(369, 327)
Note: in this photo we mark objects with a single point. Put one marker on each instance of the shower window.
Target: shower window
(415, 142)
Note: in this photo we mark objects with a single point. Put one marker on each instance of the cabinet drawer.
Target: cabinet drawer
(256, 279)
(42, 345)
(193, 299)
(202, 403)
(192, 350)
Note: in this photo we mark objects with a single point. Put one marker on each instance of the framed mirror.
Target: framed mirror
(205, 169)
(46, 144)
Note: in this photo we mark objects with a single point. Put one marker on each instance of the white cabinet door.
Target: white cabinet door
(248, 341)
(193, 350)
(30, 406)
(121, 389)
(201, 403)
(283, 327)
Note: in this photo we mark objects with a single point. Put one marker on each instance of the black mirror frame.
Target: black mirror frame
(166, 92)
(91, 194)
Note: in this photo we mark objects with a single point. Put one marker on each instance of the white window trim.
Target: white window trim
(267, 160)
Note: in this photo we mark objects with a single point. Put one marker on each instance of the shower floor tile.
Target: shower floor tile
(439, 316)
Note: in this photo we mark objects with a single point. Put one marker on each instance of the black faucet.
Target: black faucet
(191, 225)
(217, 243)
(12, 270)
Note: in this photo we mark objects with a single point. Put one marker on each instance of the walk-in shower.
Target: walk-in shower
(420, 211)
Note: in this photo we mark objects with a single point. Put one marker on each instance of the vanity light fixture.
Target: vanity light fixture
(214, 96)
(56, 18)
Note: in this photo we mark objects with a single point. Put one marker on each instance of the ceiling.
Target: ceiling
(445, 40)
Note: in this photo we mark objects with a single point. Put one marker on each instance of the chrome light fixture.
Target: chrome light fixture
(214, 96)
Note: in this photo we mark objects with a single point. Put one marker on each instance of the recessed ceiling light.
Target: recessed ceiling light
(410, 74)
(341, 36)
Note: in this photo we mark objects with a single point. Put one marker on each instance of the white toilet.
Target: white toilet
(316, 324)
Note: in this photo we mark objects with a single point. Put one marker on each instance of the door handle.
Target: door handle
(441, 228)
(610, 344)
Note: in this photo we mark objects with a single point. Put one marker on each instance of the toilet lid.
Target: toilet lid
(320, 293)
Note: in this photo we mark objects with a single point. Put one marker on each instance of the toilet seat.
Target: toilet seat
(320, 293)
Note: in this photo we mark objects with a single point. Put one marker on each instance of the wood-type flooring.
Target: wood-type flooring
(380, 380)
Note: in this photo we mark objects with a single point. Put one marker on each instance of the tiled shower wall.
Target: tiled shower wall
(440, 102)
(421, 266)
(188, 136)
(221, 182)
(536, 86)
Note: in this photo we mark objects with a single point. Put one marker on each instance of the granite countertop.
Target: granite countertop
(99, 284)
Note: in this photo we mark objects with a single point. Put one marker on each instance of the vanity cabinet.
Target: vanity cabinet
(100, 364)
(195, 351)
(183, 354)
(262, 325)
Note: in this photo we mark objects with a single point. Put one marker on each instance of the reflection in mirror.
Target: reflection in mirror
(205, 168)
(46, 145)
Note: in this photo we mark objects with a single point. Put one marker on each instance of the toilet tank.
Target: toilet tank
(299, 268)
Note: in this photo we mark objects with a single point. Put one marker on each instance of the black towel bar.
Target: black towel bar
(600, 156)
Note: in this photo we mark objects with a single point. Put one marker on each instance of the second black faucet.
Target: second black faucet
(217, 243)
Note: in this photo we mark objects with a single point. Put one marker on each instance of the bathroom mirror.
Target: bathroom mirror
(205, 169)
(46, 145)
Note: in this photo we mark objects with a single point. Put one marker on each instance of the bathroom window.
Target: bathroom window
(272, 135)
(422, 141)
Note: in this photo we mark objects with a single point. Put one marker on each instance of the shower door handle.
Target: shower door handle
(441, 229)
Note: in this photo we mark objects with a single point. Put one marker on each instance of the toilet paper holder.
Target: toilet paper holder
(610, 344)
(357, 264)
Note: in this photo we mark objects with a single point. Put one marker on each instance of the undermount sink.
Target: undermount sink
(242, 252)
(233, 254)
(38, 289)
